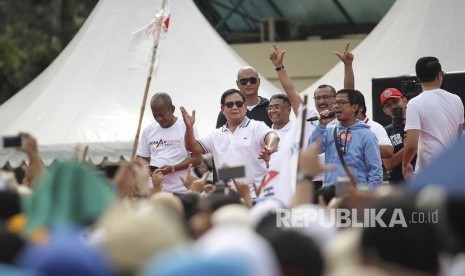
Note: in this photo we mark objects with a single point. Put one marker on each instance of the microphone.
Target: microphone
(319, 117)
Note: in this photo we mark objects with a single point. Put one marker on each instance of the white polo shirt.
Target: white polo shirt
(284, 130)
(239, 148)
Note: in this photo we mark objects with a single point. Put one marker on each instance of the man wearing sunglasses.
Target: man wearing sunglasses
(240, 142)
(248, 83)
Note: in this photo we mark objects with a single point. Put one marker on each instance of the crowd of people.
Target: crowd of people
(170, 212)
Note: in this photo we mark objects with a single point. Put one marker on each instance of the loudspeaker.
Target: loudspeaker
(454, 82)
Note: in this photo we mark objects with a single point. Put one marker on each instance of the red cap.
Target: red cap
(390, 93)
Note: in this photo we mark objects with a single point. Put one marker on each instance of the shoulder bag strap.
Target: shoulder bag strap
(344, 165)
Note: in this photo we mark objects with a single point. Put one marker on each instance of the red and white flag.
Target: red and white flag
(280, 182)
(146, 38)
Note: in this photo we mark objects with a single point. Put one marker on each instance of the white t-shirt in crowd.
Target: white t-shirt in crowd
(438, 115)
(165, 146)
(379, 131)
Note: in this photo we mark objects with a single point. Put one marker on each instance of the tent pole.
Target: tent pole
(147, 83)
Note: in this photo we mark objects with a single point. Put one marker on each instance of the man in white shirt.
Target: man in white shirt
(162, 145)
(385, 146)
(279, 111)
(241, 141)
(434, 118)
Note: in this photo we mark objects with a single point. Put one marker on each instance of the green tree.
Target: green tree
(32, 34)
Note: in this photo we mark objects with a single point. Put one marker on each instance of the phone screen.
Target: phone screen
(230, 173)
(12, 141)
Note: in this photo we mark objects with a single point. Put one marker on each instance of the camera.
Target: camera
(12, 141)
(411, 88)
(398, 119)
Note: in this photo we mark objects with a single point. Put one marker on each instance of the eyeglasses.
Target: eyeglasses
(252, 80)
(274, 106)
(341, 102)
(239, 104)
(324, 97)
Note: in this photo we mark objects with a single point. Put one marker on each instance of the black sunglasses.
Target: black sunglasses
(252, 80)
(239, 104)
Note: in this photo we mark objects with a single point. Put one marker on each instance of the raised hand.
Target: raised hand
(259, 189)
(157, 181)
(346, 57)
(189, 178)
(29, 143)
(141, 174)
(189, 120)
(243, 191)
(265, 154)
(277, 57)
(36, 168)
(124, 181)
(309, 161)
(199, 184)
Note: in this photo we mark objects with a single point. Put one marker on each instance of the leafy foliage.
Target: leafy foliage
(32, 34)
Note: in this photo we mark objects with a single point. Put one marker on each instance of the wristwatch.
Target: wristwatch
(301, 176)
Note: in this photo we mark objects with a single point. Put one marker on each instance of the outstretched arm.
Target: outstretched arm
(189, 137)
(36, 167)
(394, 161)
(347, 58)
(277, 58)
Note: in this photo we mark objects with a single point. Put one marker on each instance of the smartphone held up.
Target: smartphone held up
(12, 141)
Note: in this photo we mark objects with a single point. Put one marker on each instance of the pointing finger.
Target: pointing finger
(275, 47)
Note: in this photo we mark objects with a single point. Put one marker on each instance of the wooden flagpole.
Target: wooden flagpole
(302, 130)
(303, 122)
(149, 80)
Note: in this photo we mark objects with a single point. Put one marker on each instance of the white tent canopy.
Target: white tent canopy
(410, 30)
(87, 96)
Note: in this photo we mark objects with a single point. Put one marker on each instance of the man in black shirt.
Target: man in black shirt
(248, 83)
(392, 99)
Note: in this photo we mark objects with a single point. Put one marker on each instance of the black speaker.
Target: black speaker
(454, 82)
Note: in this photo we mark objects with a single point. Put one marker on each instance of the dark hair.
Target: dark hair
(333, 90)
(455, 216)
(427, 68)
(328, 193)
(360, 99)
(354, 97)
(419, 246)
(282, 97)
(297, 254)
(230, 92)
(221, 196)
(10, 204)
(164, 96)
